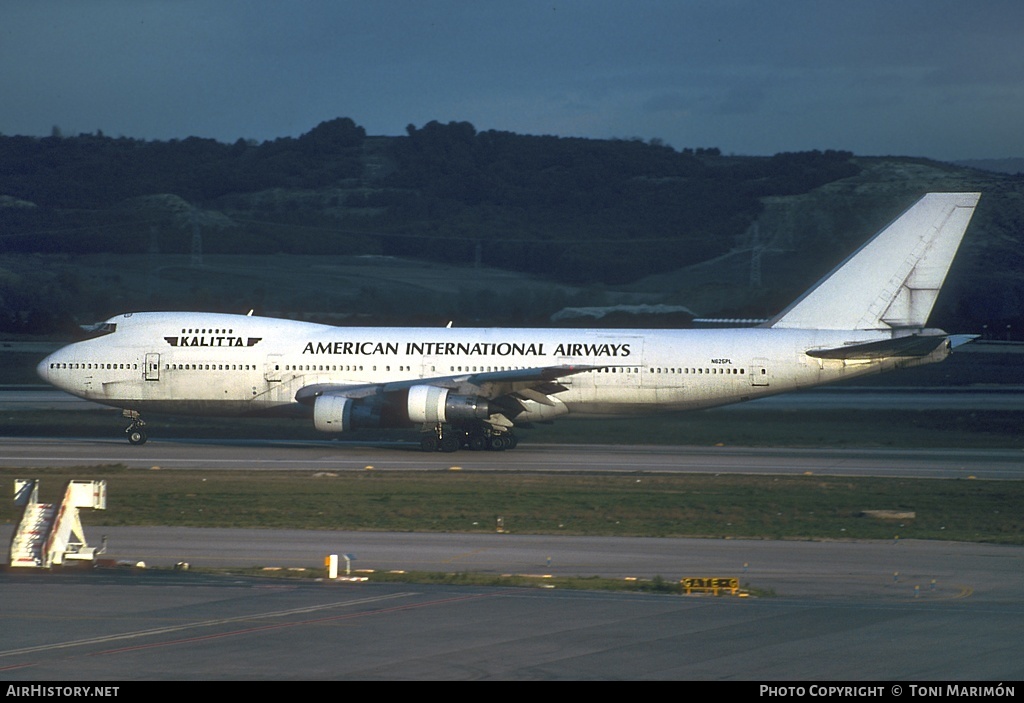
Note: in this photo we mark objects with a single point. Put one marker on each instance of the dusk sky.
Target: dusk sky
(937, 78)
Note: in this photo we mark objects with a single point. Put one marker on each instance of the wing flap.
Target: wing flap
(536, 396)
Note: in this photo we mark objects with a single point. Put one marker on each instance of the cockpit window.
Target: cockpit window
(99, 329)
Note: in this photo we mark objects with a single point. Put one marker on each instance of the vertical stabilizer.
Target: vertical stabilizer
(891, 282)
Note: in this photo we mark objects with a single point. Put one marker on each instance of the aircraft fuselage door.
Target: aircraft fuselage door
(273, 369)
(759, 372)
(152, 372)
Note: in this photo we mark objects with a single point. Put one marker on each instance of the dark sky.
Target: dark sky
(936, 78)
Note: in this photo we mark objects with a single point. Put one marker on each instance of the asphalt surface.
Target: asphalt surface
(899, 611)
(169, 626)
(336, 455)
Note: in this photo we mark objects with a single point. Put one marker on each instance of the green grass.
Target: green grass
(628, 504)
(462, 578)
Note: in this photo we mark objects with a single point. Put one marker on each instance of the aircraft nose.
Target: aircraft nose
(43, 369)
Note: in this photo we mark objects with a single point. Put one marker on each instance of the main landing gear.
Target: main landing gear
(136, 431)
(446, 438)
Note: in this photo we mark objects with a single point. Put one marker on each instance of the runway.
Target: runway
(337, 455)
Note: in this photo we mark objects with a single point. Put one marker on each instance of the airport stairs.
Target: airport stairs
(49, 535)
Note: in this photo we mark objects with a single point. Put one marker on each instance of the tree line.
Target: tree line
(582, 211)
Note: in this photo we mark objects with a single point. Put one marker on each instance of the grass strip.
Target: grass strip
(629, 504)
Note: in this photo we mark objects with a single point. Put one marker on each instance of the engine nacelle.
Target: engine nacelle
(433, 404)
(332, 413)
(336, 413)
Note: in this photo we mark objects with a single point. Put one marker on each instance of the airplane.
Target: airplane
(470, 387)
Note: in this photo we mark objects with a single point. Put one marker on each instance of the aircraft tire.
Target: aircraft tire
(137, 437)
(477, 443)
(497, 443)
(428, 443)
(449, 444)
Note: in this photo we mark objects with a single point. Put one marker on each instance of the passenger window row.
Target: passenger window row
(87, 366)
(209, 367)
(314, 367)
(725, 371)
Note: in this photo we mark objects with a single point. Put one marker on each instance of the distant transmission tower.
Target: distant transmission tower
(755, 255)
(197, 241)
(154, 258)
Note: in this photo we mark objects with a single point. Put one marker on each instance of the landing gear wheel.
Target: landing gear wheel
(497, 443)
(136, 431)
(428, 443)
(477, 443)
(449, 443)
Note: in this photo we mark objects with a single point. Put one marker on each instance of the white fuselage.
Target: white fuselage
(218, 364)
(470, 386)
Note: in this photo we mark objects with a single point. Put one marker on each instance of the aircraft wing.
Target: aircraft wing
(531, 383)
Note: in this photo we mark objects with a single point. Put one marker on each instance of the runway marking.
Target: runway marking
(249, 630)
(466, 555)
(188, 626)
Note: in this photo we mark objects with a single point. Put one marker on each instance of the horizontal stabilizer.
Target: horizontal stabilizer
(914, 345)
(958, 340)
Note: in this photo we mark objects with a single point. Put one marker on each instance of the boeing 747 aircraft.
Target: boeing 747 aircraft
(471, 387)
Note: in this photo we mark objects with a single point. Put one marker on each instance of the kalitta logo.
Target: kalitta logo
(205, 341)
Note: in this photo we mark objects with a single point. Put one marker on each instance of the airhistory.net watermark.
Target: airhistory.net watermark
(48, 691)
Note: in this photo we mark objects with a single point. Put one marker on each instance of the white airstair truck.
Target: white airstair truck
(49, 534)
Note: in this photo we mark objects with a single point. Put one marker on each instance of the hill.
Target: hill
(1010, 165)
(333, 223)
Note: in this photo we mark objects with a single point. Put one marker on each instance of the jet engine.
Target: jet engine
(433, 404)
(336, 413)
(332, 413)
